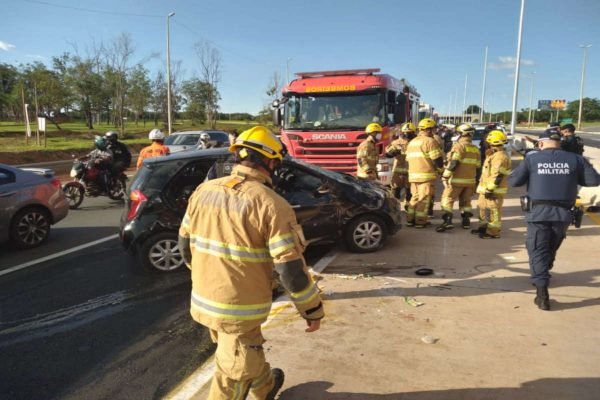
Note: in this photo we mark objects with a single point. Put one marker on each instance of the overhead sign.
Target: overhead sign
(552, 104)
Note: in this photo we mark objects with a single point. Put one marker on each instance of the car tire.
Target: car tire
(30, 227)
(74, 191)
(160, 252)
(365, 234)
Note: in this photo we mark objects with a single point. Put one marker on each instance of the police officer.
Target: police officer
(367, 156)
(121, 154)
(551, 176)
(235, 231)
(570, 141)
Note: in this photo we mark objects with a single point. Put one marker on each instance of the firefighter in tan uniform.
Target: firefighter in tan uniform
(397, 150)
(493, 187)
(425, 161)
(367, 156)
(235, 231)
(459, 178)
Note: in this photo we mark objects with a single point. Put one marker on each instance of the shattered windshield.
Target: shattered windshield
(333, 112)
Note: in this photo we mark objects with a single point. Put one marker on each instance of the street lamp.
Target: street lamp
(287, 71)
(483, 89)
(584, 47)
(513, 119)
(169, 74)
(530, 99)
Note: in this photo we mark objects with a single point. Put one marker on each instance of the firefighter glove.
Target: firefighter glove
(489, 194)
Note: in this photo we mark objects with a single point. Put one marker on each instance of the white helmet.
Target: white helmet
(156, 134)
(205, 137)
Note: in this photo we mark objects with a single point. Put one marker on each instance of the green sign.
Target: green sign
(566, 121)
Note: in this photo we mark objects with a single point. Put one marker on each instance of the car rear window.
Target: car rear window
(153, 176)
(182, 140)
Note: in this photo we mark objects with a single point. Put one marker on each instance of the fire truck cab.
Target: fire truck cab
(323, 115)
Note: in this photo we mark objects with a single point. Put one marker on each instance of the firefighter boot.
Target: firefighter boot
(542, 298)
(278, 378)
(446, 225)
(466, 219)
(479, 231)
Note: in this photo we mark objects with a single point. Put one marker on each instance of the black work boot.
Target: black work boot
(446, 225)
(479, 231)
(466, 219)
(542, 298)
(278, 378)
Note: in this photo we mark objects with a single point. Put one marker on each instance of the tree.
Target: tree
(589, 112)
(210, 70)
(158, 101)
(50, 95)
(9, 76)
(196, 95)
(139, 94)
(473, 109)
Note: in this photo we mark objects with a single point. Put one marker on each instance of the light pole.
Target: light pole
(584, 47)
(483, 88)
(530, 99)
(464, 113)
(169, 74)
(287, 71)
(513, 120)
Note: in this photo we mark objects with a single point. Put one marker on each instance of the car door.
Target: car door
(313, 200)
(8, 198)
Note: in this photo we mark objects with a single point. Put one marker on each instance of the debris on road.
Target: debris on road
(412, 301)
(429, 339)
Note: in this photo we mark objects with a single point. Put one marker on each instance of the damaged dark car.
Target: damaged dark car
(329, 205)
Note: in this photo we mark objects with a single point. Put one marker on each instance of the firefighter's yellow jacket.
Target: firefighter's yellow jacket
(424, 158)
(367, 159)
(465, 155)
(494, 174)
(398, 147)
(236, 230)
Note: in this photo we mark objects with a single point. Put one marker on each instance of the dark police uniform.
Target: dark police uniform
(572, 144)
(552, 176)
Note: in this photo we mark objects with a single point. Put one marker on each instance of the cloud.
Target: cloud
(507, 62)
(6, 46)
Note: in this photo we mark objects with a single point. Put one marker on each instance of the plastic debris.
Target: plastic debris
(412, 301)
(429, 339)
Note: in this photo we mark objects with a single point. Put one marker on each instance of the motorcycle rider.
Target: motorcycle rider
(157, 148)
(204, 141)
(121, 154)
(102, 158)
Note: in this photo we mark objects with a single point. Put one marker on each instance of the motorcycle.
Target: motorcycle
(87, 181)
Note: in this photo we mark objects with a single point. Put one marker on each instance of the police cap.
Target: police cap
(550, 134)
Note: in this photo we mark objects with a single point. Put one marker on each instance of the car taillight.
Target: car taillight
(56, 183)
(138, 199)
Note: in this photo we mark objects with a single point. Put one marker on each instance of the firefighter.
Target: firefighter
(397, 150)
(493, 186)
(459, 178)
(157, 148)
(367, 156)
(235, 231)
(425, 161)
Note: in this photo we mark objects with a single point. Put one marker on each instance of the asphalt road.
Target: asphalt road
(93, 324)
(589, 139)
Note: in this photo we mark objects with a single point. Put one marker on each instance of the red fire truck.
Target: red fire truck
(323, 115)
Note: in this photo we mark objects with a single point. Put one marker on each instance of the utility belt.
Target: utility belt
(576, 212)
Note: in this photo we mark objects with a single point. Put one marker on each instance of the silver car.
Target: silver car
(31, 200)
(186, 140)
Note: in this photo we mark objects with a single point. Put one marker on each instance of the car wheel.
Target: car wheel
(74, 192)
(160, 252)
(365, 234)
(30, 227)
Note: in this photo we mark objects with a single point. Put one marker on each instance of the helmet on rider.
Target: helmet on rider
(496, 138)
(373, 129)
(465, 130)
(409, 127)
(204, 137)
(260, 140)
(100, 143)
(426, 123)
(111, 136)
(156, 134)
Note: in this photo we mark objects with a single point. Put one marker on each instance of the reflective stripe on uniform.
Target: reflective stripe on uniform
(401, 170)
(472, 161)
(498, 190)
(464, 181)
(416, 154)
(504, 171)
(421, 175)
(230, 251)
(472, 149)
(305, 296)
(281, 243)
(245, 312)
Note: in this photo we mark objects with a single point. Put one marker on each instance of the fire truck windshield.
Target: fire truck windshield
(333, 112)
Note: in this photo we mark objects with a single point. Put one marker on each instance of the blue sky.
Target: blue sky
(433, 44)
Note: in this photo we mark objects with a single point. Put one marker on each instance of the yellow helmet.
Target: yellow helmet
(426, 123)
(496, 138)
(259, 139)
(409, 127)
(373, 128)
(465, 130)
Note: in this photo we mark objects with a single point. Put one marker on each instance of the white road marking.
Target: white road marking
(192, 385)
(56, 255)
